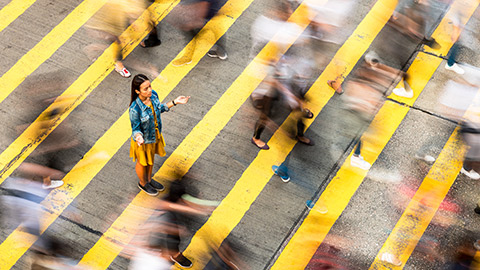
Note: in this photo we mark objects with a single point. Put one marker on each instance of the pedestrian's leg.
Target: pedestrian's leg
(452, 55)
(118, 56)
(261, 123)
(141, 173)
(282, 170)
(149, 173)
(358, 148)
(301, 129)
(189, 49)
(357, 160)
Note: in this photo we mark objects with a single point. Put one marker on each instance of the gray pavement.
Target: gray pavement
(272, 218)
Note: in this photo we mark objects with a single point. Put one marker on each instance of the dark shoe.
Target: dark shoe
(305, 140)
(156, 185)
(477, 210)
(307, 113)
(182, 261)
(432, 43)
(265, 147)
(148, 189)
(218, 52)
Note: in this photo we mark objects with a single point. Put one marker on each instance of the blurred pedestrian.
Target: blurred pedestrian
(166, 228)
(470, 132)
(364, 94)
(109, 23)
(192, 16)
(147, 140)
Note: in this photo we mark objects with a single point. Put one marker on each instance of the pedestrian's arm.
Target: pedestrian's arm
(137, 134)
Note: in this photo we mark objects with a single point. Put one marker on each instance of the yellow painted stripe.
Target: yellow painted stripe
(122, 230)
(24, 145)
(423, 206)
(340, 190)
(47, 46)
(12, 10)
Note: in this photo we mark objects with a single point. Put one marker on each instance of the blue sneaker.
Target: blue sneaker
(283, 175)
(309, 204)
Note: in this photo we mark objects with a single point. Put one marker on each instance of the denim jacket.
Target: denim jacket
(141, 118)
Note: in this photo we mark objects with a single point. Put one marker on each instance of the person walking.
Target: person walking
(147, 140)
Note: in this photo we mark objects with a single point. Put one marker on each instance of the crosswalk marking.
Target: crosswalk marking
(191, 148)
(348, 179)
(24, 145)
(47, 46)
(12, 10)
(424, 204)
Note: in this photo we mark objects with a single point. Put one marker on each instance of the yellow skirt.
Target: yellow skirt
(145, 153)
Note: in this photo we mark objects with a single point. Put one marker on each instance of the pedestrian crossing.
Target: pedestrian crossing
(229, 214)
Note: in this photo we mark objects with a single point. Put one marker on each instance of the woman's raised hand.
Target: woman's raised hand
(182, 99)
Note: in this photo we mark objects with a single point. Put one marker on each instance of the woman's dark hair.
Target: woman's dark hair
(136, 82)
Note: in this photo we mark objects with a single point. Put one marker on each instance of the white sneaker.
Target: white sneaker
(472, 174)
(390, 258)
(359, 162)
(455, 68)
(401, 92)
(53, 184)
(427, 158)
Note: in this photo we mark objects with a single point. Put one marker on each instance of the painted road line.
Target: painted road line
(47, 46)
(24, 145)
(347, 180)
(419, 213)
(203, 134)
(12, 10)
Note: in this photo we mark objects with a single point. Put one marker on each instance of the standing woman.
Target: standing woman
(147, 139)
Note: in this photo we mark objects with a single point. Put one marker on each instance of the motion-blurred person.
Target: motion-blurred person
(165, 227)
(456, 102)
(48, 253)
(364, 94)
(109, 23)
(411, 22)
(456, 38)
(327, 28)
(224, 258)
(147, 140)
(470, 132)
(273, 27)
(190, 18)
(152, 257)
(276, 85)
(50, 169)
(22, 203)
